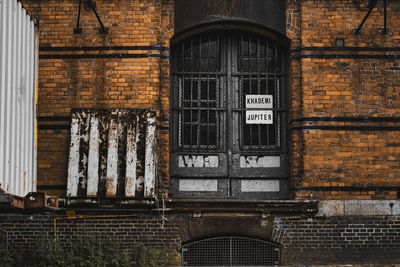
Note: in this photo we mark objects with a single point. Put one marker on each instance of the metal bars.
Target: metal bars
(372, 5)
(231, 251)
(199, 92)
(260, 68)
(91, 5)
(200, 68)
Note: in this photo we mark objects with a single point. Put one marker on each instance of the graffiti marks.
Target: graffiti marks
(191, 161)
(260, 161)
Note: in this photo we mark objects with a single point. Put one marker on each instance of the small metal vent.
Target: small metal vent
(231, 251)
(112, 154)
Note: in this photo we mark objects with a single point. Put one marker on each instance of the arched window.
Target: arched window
(229, 116)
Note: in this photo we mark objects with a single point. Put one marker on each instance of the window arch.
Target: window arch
(229, 115)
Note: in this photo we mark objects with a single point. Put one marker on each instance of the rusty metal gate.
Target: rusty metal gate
(231, 251)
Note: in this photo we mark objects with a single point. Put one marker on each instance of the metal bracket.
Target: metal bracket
(77, 29)
(92, 5)
(372, 5)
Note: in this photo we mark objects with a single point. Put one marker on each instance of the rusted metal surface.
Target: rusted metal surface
(10, 201)
(266, 207)
(39, 200)
(112, 154)
(271, 13)
(18, 64)
(33, 200)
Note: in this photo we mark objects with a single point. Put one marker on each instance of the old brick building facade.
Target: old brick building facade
(318, 178)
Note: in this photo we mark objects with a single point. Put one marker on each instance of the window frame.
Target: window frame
(230, 149)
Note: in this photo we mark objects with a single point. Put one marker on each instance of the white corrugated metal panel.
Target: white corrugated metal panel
(18, 58)
(112, 154)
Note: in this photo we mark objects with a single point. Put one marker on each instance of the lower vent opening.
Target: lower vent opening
(230, 251)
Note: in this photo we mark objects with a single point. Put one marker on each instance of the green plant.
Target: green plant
(149, 257)
(85, 250)
(5, 258)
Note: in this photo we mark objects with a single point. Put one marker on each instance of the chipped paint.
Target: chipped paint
(260, 185)
(196, 185)
(112, 159)
(73, 163)
(83, 148)
(93, 162)
(149, 173)
(192, 161)
(131, 158)
(114, 151)
(260, 162)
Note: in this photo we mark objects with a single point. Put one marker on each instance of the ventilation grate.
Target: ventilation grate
(230, 251)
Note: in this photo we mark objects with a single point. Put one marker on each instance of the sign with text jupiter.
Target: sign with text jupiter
(259, 116)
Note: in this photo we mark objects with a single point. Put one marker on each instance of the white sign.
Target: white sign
(259, 117)
(260, 185)
(259, 101)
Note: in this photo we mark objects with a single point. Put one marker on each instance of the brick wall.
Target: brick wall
(24, 231)
(345, 239)
(344, 101)
(127, 68)
(344, 130)
(319, 240)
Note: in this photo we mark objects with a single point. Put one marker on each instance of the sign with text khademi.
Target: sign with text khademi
(259, 101)
(259, 116)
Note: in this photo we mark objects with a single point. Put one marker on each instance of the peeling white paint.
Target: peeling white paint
(197, 185)
(84, 134)
(131, 159)
(260, 161)
(192, 161)
(73, 163)
(149, 173)
(112, 159)
(101, 135)
(260, 185)
(93, 162)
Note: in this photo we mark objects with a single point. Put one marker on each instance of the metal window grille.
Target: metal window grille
(212, 74)
(197, 66)
(198, 113)
(260, 68)
(231, 251)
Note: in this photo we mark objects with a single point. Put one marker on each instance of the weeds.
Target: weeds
(88, 251)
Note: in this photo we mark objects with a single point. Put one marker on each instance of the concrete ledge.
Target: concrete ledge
(358, 207)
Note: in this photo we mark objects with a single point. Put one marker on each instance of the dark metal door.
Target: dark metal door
(214, 76)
